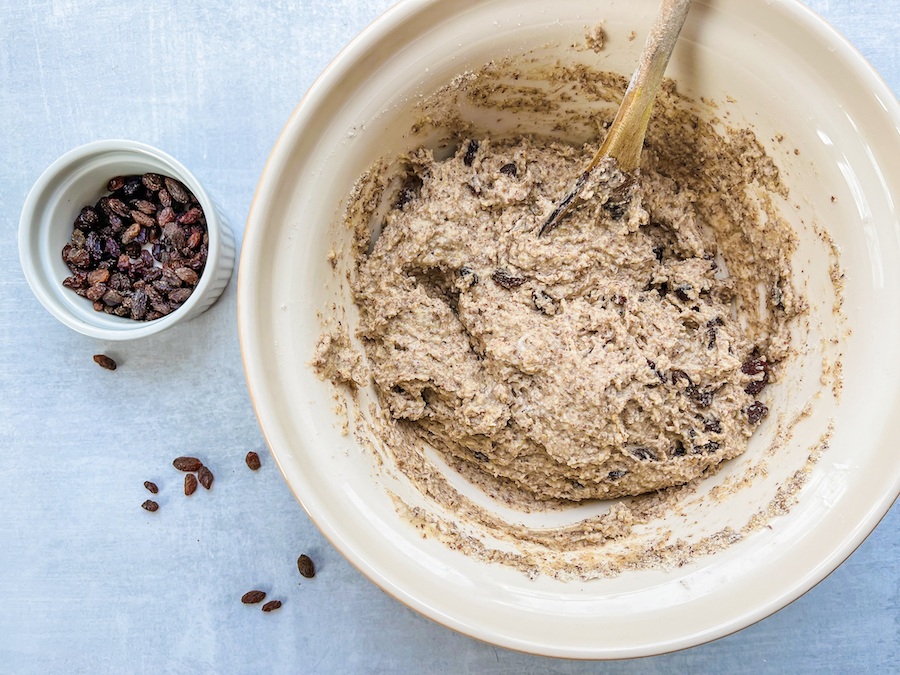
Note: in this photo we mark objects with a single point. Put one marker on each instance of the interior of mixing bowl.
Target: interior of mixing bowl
(770, 65)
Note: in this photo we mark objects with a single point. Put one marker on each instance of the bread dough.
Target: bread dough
(618, 354)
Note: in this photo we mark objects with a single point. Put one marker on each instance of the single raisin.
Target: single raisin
(253, 597)
(757, 411)
(151, 486)
(187, 463)
(754, 367)
(152, 181)
(507, 280)
(271, 606)
(190, 484)
(712, 426)
(252, 460)
(645, 453)
(150, 505)
(616, 475)
(205, 476)
(306, 566)
(509, 170)
(469, 157)
(104, 361)
(177, 190)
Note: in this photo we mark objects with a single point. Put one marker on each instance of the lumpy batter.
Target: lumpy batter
(622, 352)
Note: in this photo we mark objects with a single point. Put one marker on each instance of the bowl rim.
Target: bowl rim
(253, 367)
(30, 219)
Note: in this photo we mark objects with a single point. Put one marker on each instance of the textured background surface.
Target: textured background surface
(91, 583)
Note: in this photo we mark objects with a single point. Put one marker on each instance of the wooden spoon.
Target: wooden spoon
(626, 135)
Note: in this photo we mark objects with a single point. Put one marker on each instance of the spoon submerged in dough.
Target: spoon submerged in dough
(626, 135)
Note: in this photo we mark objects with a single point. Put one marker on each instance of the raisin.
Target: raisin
(190, 484)
(194, 240)
(659, 374)
(115, 183)
(95, 292)
(76, 281)
(165, 198)
(166, 216)
(131, 233)
(615, 209)
(711, 334)
(678, 375)
(712, 426)
(177, 190)
(138, 304)
(271, 606)
(679, 449)
(616, 475)
(93, 244)
(757, 385)
(468, 275)
(152, 181)
(150, 505)
(507, 280)
(205, 476)
(645, 453)
(754, 367)
(142, 219)
(306, 566)
(187, 463)
(179, 295)
(88, 219)
(133, 187)
(545, 303)
(681, 292)
(111, 248)
(253, 597)
(658, 252)
(708, 448)
(187, 275)
(112, 298)
(469, 157)
(97, 277)
(703, 399)
(189, 217)
(757, 411)
(119, 207)
(252, 460)
(104, 361)
(509, 170)
(481, 457)
(151, 486)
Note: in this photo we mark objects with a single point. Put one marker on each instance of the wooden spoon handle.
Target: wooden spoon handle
(626, 135)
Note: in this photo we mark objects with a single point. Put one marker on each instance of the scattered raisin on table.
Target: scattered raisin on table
(187, 463)
(272, 605)
(150, 505)
(104, 361)
(151, 486)
(190, 484)
(306, 566)
(253, 597)
(252, 460)
(205, 476)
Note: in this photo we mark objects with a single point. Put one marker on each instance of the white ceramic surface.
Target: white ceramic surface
(789, 73)
(78, 178)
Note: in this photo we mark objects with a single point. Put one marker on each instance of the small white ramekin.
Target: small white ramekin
(79, 178)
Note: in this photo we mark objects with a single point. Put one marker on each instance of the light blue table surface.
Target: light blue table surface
(91, 583)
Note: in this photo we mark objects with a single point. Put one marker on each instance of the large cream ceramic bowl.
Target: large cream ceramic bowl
(788, 72)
